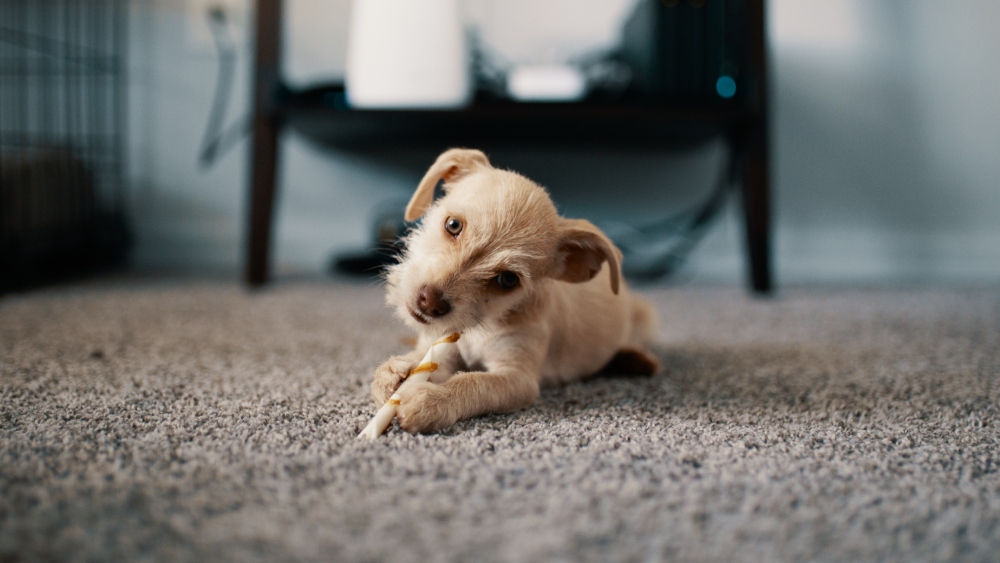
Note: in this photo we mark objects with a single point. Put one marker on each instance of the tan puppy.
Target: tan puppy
(537, 298)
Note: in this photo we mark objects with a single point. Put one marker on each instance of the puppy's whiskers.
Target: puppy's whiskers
(480, 323)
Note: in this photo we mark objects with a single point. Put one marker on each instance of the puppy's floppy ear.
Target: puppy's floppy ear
(584, 248)
(452, 165)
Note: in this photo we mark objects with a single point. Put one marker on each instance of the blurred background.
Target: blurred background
(884, 128)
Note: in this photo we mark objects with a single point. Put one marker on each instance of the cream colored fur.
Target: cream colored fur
(570, 314)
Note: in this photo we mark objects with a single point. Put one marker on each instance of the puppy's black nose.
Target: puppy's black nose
(431, 302)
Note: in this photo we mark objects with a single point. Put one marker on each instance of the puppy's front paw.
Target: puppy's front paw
(388, 376)
(424, 408)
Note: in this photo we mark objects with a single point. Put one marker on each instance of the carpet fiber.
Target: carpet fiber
(197, 421)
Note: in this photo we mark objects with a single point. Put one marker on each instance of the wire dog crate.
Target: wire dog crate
(62, 137)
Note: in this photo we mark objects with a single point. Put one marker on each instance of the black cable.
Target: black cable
(217, 141)
(688, 227)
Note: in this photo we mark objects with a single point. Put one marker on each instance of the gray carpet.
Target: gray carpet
(195, 421)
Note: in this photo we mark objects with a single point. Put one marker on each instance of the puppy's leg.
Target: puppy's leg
(390, 374)
(393, 371)
(632, 361)
(428, 407)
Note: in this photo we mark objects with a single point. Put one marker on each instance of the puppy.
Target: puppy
(539, 299)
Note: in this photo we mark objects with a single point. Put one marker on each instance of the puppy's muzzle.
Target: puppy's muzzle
(431, 302)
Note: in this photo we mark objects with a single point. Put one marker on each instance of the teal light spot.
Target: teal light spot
(725, 86)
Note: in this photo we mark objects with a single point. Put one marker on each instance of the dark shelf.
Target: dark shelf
(322, 115)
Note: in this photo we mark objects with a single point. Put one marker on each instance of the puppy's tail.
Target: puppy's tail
(644, 322)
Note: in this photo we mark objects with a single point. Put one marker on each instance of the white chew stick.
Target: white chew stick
(383, 418)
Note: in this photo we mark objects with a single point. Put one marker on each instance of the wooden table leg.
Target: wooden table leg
(263, 181)
(755, 143)
(756, 207)
(267, 124)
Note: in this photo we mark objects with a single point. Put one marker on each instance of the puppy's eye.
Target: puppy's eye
(453, 226)
(507, 280)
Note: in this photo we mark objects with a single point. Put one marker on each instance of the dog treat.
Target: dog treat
(422, 372)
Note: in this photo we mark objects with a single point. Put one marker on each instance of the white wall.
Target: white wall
(885, 138)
